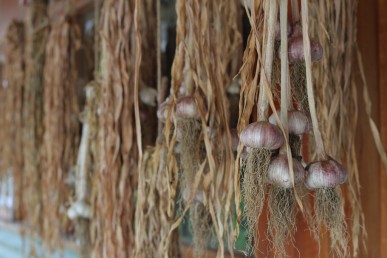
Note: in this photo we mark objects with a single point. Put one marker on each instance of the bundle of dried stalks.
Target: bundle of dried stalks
(256, 74)
(62, 127)
(118, 154)
(155, 212)
(337, 103)
(200, 76)
(36, 39)
(14, 74)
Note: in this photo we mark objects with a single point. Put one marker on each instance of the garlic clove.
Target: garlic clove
(262, 135)
(296, 50)
(278, 172)
(326, 173)
(186, 108)
(298, 122)
(148, 96)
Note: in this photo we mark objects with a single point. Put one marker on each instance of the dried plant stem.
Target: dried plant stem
(320, 150)
(263, 102)
(284, 64)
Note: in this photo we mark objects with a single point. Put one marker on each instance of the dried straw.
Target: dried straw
(12, 156)
(117, 168)
(337, 102)
(36, 38)
(204, 38)
(62, 127)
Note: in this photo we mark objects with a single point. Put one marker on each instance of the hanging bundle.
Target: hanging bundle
(274, 149)
(14, 75)
(197, 112)
(260, 138)
(36, 39)
(337, 104)
(117, 166)
(62, 126)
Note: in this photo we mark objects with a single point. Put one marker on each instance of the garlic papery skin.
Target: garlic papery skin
(296, 50)
(148, 96)
(278, 172)
(79, 209)
(298, 122)
(326, 173)
(162, 111)
(186, 108)
(262, 135)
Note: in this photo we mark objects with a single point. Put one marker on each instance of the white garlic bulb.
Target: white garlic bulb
(298, 122)
(279, 174)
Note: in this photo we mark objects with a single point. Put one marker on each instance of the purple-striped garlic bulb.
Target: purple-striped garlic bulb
(262, 135)
(186, 108)
(278, 172)
(298, 122)
(296, 50)
(327, 173)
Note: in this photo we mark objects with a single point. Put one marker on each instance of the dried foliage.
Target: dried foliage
(62, 127)
(205, 39)
(12, 157)
(36, 39)
(337, 103)
(155, 211)
(256, 74)
(117, 168)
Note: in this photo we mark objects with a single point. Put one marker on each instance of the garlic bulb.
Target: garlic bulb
(148, 96)
(262, 135)
(296, 50)
(278, 172)
(326, 173)
(234, 87)
(79, 209)
(162, 111)
(298, 122)
(186, 108)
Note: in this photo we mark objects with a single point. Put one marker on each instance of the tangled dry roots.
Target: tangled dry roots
(297, 76)
(282, 220)
(189, 157)
(253, 190)
(295, 146)
(329, 211)
(201, 228)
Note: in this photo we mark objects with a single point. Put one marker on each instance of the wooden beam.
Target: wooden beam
(368, 159)
(382, 40)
